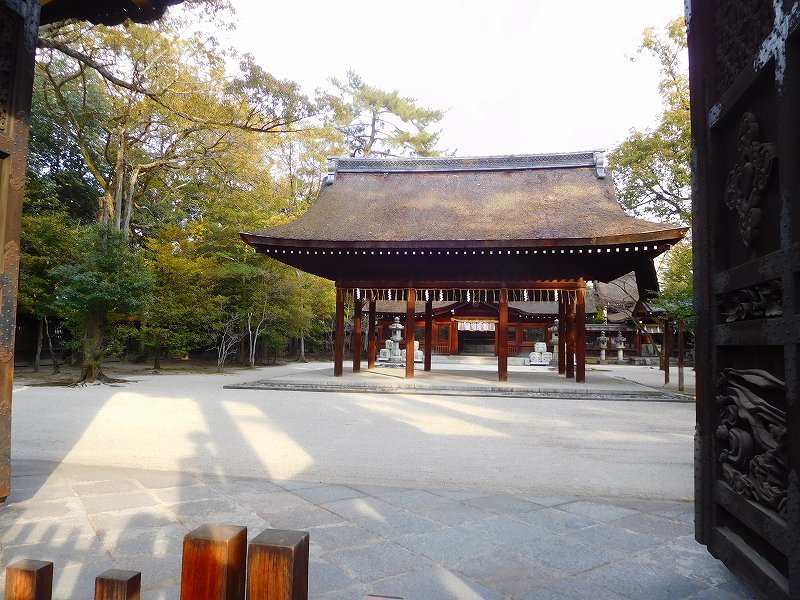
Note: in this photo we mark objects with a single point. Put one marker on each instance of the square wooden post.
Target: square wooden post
(214, 563)
(277, 566)
(666, 350)
(357, 341)
(502, 337)
(570, 326)
(580, 334)
(371, 333)
(411, 301)
(428, 333)
(116, 584)
(562, 334)
(29, 580)
(338, 336)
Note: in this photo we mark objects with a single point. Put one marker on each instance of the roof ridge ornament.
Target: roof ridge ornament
(512, 162)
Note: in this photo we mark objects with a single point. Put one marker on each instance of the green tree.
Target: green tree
(375, 122)
(651, 169)
(676, 297)
(106, 284)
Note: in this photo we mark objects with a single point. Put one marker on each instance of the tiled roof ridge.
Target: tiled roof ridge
(556, 160)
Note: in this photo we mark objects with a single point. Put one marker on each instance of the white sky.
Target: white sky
(514, 76)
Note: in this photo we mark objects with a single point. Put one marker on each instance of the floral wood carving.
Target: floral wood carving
(749, 179)
(757, 302)
(752, 437)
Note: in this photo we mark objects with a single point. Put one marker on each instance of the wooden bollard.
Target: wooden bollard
(277, 566)
(214, 563)
(117, 584)
(29, 580)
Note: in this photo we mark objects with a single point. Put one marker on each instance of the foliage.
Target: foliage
(106, 283)
(375, 122)
(651, 169)
(676, 296)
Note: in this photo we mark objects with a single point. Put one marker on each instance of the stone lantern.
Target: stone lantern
(554, 339)
(397, 337)
(619, 343)
(602, 341)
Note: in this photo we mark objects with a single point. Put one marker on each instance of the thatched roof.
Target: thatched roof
(553, 199)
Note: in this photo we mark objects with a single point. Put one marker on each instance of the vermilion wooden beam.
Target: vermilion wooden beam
(570, 353)
(277, 566)
(116, 584)
(580, 336)
(29, 580)
(502, 338)
(562, 335)
(410, 327)
(371, 332)
(338, 336)
(214, 563)
(357, 341)
(428, 333)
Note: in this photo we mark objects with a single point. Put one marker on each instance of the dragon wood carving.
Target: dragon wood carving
(756, 302)
(752, 437)
(749, 179)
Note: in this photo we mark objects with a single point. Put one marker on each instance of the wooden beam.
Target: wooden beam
(277, 566)
(29, 580)
(214, 563)
(580, 335)
(338, 336)
(562, 335)
(570, 353)
(371, 333)
(428, 333)
(357, 341)
(410, 326)
(116, 584)
(502, 338)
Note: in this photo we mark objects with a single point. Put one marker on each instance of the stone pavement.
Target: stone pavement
(424, 544)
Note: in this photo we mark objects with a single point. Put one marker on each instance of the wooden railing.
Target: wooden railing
(218, 564)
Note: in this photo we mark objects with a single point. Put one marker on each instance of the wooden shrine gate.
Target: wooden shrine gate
(745, 87)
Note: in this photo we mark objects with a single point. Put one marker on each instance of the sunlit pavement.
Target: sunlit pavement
(419, 496)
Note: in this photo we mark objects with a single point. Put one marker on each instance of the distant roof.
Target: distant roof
(530, 200)
(107, 12)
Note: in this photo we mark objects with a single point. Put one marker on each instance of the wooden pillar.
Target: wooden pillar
(665, 349)
(214, 563)
(29, 580)
(580, 334)
(502, 337)
(371, 333)
(338, 338)
(428, 333)
(681, 364)
(116, 584)
(357, 339)
(20, 20)
(277, 566)
(570, 343)
(562, 334)
(410, 327)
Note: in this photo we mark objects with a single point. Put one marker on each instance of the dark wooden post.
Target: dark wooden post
(665, 350)
(277, 566)
(338, 336)
(214, 563)
(502, 337)
(681, 363)
(570, 353)
(357, 340)
(410, 327)
(371, 333)
(562, 334)
(116, 584)
(29, 580)
(428, 333)
(580, 334)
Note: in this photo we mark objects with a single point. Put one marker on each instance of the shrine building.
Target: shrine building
(475, 241)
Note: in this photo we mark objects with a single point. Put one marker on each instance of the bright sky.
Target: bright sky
(515, 76)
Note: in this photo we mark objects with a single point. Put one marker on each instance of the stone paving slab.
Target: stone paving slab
(422, 544)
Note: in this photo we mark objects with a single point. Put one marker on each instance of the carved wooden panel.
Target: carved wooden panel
(745, 84)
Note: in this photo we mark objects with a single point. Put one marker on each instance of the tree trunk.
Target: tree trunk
(302, 347)
(38, 358)
(92, 345)
(157, 360)
(53, 357)
(126, 221)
